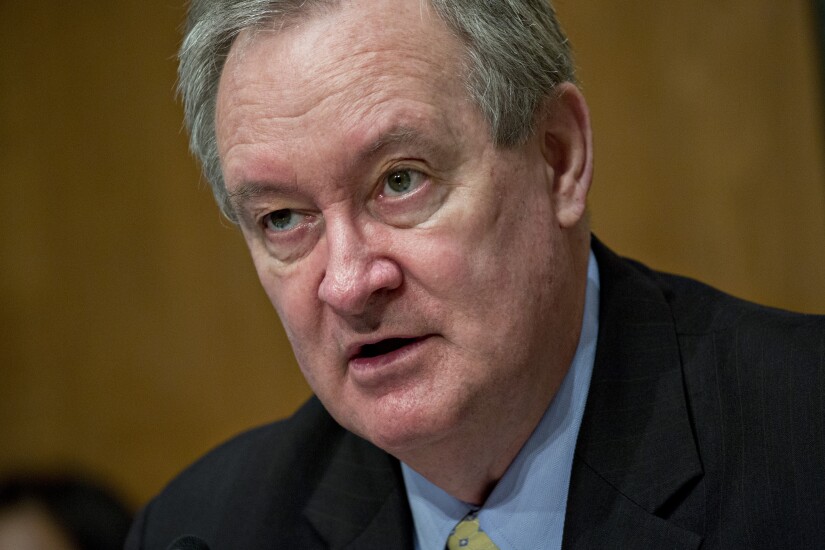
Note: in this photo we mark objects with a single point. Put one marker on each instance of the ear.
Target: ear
(567, 146)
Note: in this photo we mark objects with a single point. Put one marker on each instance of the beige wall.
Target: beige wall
(133, 334)
(709, 140)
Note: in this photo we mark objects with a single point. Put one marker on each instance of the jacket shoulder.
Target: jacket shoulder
(701, 309)
(751, 382)
(263, 475)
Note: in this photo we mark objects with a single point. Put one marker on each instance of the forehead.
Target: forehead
(344, 67)
(366, 33)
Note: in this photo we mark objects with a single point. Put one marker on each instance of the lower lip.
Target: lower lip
(372, 369)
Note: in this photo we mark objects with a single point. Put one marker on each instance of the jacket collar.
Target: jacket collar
(360, 501)
(636, 452)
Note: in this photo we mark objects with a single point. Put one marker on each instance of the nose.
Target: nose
(356, 270)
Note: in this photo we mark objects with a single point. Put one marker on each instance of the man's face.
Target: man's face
(420, 272)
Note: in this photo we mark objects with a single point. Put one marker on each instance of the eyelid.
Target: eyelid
(289, 245)
(305, 219)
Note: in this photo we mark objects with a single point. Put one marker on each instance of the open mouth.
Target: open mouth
(384, 346)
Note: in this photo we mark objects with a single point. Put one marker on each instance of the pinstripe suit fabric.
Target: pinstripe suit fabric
(704, 428)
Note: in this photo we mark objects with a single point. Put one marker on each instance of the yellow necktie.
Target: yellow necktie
(468, 535)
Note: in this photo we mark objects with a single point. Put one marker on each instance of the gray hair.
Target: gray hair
(516, 54)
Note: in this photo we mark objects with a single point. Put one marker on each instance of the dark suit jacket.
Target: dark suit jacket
(704, 427)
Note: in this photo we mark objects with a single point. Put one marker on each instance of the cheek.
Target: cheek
(298, 310)
(436, 261)
(489, 269)
(492, 246)
(294, 298)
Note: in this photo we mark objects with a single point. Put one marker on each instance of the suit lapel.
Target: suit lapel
(635, 455)
(360, 501)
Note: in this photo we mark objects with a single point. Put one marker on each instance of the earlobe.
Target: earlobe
(567, 147)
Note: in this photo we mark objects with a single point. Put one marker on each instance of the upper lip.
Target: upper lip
(356, 348)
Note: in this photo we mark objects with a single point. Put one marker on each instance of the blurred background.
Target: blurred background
(133, 333)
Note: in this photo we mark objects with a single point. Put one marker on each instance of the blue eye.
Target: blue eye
(282, 220)
(402, 182)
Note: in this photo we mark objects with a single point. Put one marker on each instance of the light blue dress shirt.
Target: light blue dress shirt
(526, 508)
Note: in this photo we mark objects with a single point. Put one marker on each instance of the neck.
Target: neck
(471, 481)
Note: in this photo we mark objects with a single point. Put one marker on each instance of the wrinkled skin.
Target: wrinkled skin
(376, 207)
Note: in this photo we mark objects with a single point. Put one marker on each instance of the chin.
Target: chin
(402, 426)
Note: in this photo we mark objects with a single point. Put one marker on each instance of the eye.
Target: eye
(289, 234)
(282, 220)
(402, 182)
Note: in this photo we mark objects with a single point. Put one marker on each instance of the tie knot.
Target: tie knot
(467, 535)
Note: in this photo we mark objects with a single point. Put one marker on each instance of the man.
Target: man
(411, 180)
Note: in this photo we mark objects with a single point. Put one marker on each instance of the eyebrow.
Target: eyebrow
(392, 137)
(395, 136)
(252, 190)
